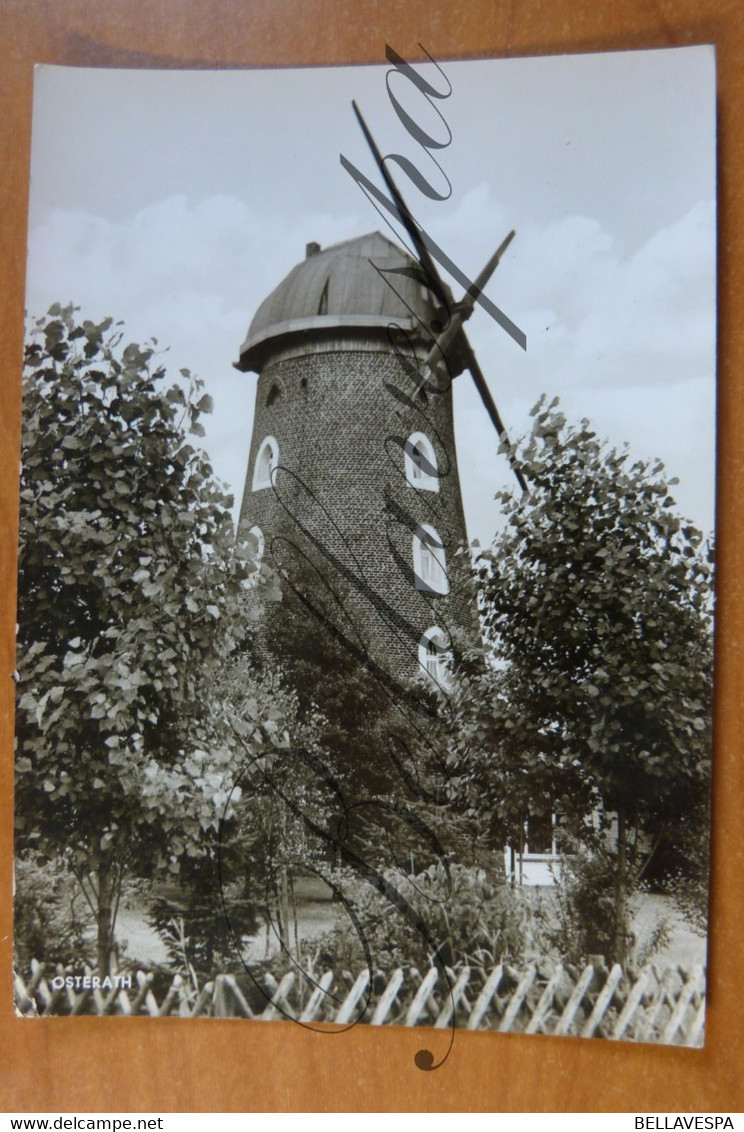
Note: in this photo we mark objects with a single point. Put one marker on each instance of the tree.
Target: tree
(130, 592)
(331, 682)
(597, 608)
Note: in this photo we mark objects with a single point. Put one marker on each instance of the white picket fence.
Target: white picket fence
(666, 1006)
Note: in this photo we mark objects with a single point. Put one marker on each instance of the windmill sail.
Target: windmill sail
(454, 335)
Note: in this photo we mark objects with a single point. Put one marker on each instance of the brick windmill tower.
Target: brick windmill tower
(352, 476)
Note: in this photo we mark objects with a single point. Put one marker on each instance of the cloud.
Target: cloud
(626, 337)
(189, 273)
(654, 315)
(595, 315)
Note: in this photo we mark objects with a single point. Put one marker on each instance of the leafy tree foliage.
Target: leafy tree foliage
(385, 763)
(468, 919)
(129, 582)
(332, 685)
(597, 608)
(51, 921)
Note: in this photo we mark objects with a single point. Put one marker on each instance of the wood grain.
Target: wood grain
(170, 1065)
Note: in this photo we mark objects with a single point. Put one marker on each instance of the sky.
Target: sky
(176, 201)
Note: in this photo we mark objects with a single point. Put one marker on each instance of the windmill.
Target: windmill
(453, 336)
(352, 482)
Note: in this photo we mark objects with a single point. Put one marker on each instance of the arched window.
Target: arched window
(266, 464)
(428, 561)
(421, 462)
(433, 653)
(274, 394)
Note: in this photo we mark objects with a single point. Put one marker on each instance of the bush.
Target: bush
(191, 922)
(688, 887)
(52, 921)
(683, 867)
(585, 900)
(463, 917)
(578, 918)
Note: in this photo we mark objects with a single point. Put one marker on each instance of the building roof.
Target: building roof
(338, 288)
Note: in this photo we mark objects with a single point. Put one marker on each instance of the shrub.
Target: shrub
(52, 922)
(191, 922)
(455, 913)
(578, 919)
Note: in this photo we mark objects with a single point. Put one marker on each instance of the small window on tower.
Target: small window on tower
(429, 562)
(421, 463)
(433, 655)
(266, 464)
(274, 394)
(323, 304)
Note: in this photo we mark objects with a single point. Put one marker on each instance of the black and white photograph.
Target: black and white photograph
(366, 554)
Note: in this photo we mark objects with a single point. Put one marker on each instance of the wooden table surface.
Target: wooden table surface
(87, 1065)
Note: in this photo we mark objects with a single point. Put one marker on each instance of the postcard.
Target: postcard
(366, 546)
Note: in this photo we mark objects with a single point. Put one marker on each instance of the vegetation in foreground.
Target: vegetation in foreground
(155, 741)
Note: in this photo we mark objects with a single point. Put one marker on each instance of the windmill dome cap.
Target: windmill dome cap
(338, 288)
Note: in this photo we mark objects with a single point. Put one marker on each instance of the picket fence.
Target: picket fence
(666, 1006)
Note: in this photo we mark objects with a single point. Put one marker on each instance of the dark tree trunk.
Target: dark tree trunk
(106, 914)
